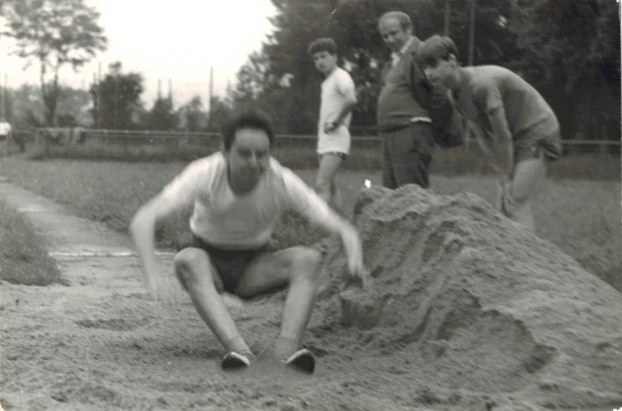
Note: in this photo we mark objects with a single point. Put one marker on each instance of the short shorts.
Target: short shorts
(230, 264)
(343, 156)
(529, 148)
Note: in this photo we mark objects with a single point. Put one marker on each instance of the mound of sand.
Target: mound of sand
(475, 305)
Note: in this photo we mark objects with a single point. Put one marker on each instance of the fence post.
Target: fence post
(46, 144)
(106, 145)
(125, 146)
(67, 130)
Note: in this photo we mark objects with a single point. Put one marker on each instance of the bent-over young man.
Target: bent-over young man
(511, 120)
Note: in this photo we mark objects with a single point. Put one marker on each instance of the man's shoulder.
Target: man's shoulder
(488, 74)
(415, 45)
(214, 160)
(338, 76)
(413, 49)
(482, 78)
(209, 167)
(283, 175)
(343, 73)
(277, 169)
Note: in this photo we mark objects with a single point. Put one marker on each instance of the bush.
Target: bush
(23, 253)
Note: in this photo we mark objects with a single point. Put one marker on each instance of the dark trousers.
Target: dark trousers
(407, 155)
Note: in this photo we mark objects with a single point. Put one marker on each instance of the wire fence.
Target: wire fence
(589, 158)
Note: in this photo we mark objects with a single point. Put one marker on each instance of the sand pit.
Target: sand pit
(473, 303)
(466, 311)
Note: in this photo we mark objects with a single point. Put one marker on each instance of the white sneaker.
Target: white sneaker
(303, 360)
(233, 360)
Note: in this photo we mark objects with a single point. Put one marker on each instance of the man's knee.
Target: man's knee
(520, 199)
(528, 178)
(192, 266)
(306, 262)
(323, 185)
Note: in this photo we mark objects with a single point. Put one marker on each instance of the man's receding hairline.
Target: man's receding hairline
(396, 15)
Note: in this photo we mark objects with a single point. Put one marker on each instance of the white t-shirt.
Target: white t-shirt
(224, 219)
(335, 89)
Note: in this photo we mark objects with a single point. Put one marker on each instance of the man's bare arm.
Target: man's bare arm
(346, 109)
(142, 230)
(503, 145)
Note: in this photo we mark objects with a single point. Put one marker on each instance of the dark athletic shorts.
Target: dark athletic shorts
(230, 264)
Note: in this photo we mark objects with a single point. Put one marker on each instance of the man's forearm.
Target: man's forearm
(332, 223)
(345, 110)
(503, 144)
(504, 154)
(142, 231)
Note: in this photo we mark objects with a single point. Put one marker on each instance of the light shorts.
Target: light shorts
(343, 156)
(532, 147)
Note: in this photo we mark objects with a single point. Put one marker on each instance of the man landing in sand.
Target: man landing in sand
(238, 196)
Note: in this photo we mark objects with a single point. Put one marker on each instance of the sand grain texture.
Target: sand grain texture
(466, 311)
(475, 302)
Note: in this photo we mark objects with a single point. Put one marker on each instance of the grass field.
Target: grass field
(300, 152)
(582, 217)
(23, 253)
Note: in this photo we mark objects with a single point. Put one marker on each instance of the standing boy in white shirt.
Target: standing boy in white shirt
(238, 196)
(338, 100)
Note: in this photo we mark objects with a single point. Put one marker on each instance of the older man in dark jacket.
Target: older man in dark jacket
(412, 115)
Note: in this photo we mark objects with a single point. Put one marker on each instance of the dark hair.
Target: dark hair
(247, 118)
(401, 17)
(436, 48)
(322, 44)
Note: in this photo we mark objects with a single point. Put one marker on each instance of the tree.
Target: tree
(571, 52)
(116, 99)
(568, 49)
(73, 106)
(192, 116)
(162, 117)
(283, 69)
(54, 33)
(253, 80)
(25, 108)
(220, 113)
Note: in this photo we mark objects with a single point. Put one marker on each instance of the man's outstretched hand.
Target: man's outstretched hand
(505, 202)
(354, 254)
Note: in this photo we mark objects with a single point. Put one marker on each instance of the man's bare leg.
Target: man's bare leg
(298, 266)
(528, 179)
(325, 180)
(199, 278)
(337, 198)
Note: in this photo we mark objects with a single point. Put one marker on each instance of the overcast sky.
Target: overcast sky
(162, 39)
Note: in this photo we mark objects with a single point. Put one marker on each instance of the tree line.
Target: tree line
(568, 49)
